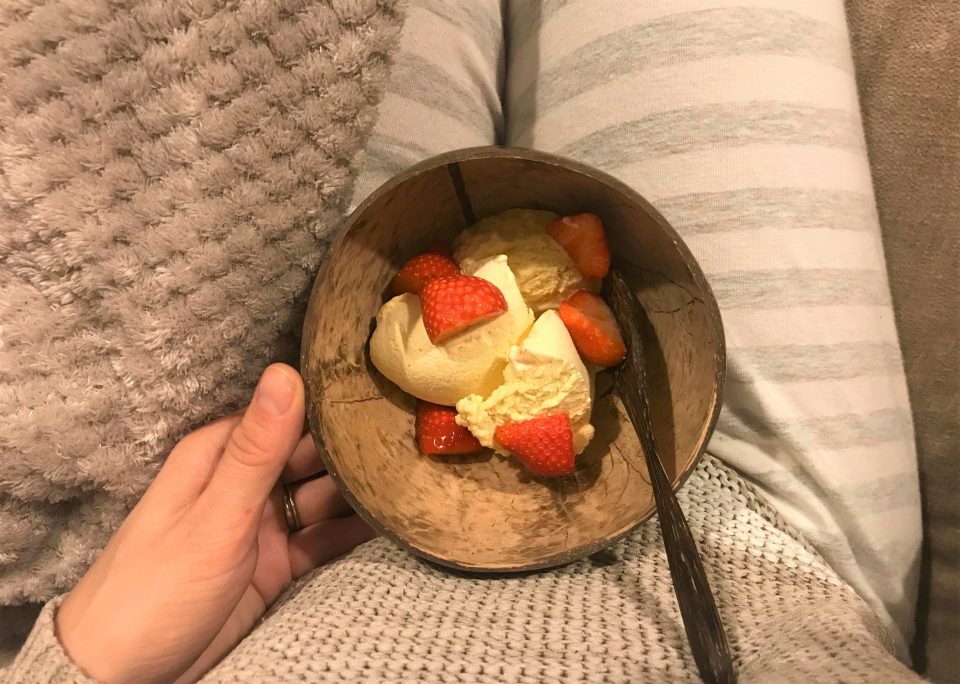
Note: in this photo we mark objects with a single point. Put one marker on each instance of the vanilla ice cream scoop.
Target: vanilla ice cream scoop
(470, 362)
(545, 273)
(544, 375)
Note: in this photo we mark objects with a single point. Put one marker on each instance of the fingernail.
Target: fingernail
(275, 391)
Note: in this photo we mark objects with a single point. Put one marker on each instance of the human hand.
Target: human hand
(207, 549)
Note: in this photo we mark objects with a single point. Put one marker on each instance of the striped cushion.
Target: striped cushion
(739, 120)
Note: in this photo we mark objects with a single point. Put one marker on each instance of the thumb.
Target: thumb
(260, 444)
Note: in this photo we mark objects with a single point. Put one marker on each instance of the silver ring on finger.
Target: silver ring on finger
(290, 514)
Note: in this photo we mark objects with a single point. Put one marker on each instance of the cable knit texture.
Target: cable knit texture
(169, 172)
(42, 659)
(380, 614)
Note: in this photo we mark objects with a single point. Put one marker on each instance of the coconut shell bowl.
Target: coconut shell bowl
(484, 513)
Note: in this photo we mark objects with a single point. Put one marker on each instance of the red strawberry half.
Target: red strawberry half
(593, 328)
(438, 432)
(451, 305)
(544, 445)
(420, 270)
(583, 239)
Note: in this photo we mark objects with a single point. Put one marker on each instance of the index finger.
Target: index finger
(259, 445)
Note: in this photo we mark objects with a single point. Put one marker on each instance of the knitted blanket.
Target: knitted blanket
(169, 172)
(380, 615)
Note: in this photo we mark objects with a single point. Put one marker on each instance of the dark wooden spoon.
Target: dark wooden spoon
(701, 620)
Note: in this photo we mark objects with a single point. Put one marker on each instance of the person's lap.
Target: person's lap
(379, 614)
(739, 121)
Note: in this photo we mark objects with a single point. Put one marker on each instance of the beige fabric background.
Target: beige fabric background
(908, 65)
(908, 61)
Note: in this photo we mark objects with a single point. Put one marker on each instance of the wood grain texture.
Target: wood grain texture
(483, 513)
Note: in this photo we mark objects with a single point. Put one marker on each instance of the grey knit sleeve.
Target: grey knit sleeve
(42, 659)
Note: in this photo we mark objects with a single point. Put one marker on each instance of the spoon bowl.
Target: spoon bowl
(483, 513)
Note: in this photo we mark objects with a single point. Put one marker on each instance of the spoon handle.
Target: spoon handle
(701, 619)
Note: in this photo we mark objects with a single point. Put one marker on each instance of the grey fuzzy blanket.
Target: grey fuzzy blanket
(169, 171)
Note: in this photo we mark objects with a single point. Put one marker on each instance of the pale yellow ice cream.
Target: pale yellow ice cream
(468, 363)
(545, 273)
(544, 375)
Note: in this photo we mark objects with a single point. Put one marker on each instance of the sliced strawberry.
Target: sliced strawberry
(593, 328)
(544, 445)
(420, 270)
(451, 305)
(583, 239)
(438, 432)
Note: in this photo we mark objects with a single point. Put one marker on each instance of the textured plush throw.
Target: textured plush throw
(169, 171)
